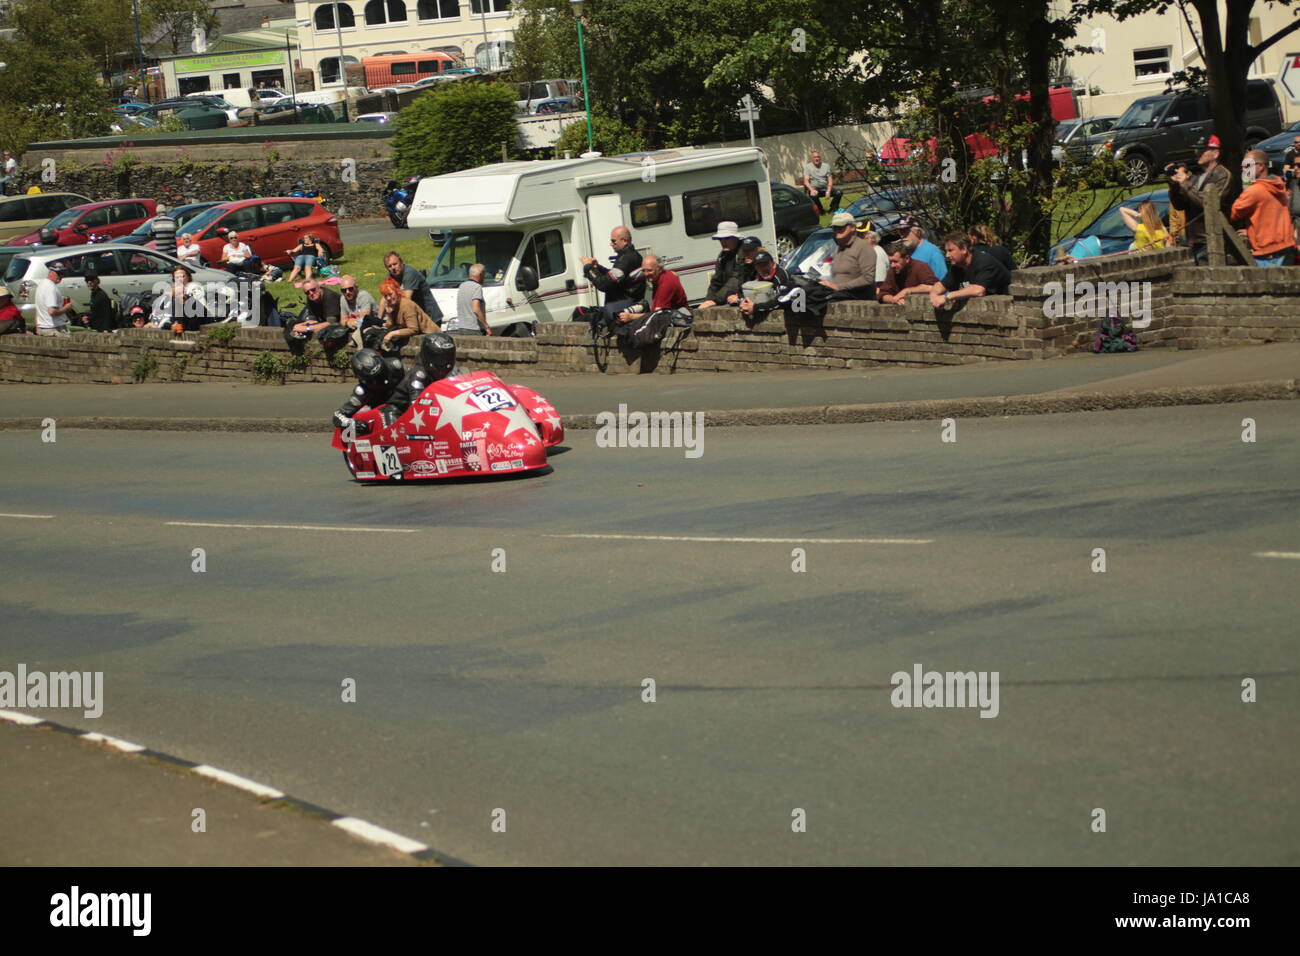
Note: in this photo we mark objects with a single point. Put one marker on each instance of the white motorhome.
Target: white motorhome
(530, 224)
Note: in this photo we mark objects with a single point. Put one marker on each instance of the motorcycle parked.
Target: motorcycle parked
(398, 199)
(302, 192)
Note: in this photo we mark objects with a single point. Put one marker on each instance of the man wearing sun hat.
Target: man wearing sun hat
(728, 270)
(1187, 192)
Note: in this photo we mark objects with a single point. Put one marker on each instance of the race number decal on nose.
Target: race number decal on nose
(386, 460)
(491, 399)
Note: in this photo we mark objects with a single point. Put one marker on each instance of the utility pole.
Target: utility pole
(343, 67)
(139, 53)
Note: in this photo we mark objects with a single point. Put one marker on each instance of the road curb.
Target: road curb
(361, 829)
(1045, 403)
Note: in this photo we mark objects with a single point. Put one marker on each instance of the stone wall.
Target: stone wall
(1048, 313)
(266, 172)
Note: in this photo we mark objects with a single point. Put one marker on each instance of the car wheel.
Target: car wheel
(1137, 170)
(785, 244)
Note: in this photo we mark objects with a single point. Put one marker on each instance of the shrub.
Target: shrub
(147, 365)
(610, 136)
(270, 368)
(222, 334)
(456, 126)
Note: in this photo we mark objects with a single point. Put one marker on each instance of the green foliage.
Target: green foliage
(269, 368)
(176, 20)
(179, 365)
(297, 363)
(222, 334)
(342, 360)
(47, 94)
(610, 136)
(145, 367)
(546, 42)
(455, 126)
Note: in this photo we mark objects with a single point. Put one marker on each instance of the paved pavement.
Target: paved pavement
(1152, 377)
(523, 691)
(359, 232)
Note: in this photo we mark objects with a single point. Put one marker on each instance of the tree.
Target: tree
(102, 30)
(176, 20)
(1225, 49)
(546, 42)
(608, 135)
(456, 126)
(47, 94)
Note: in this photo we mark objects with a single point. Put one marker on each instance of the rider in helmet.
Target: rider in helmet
(437, 360)
(377, 377)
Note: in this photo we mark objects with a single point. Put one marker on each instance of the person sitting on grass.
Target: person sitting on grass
(1148, 231)
(310, 253)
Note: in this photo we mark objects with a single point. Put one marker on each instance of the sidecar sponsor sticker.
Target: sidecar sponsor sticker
(361, 445)
(365, 474)
(419, 438)
(387, 462)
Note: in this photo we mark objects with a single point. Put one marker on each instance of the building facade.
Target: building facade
(1134, 58)
(479, 32)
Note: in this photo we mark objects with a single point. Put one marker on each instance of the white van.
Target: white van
(530, 223)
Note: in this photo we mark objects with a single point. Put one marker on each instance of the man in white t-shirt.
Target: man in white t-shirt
(189, 252)
(10, 170)
(51, 311)
(235, 253)
(882, 258)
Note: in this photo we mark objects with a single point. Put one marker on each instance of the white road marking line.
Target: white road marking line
(286, 527)
(14, 717)
(116, 742)
(658, 537)
(368, 831)
(25, 516)
(1294, 555)
(235, 780)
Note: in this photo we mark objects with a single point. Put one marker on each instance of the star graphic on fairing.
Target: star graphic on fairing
(554, 421)
(417, 420)
(455, 410)
(531, 441)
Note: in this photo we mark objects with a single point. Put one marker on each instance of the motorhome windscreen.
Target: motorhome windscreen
(705, 208)
(496, 250)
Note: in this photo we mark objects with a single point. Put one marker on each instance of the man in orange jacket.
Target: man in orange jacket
(1263, 205)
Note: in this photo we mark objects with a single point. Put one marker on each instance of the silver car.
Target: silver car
(121, 269)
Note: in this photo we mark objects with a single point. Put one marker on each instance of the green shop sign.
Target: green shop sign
(229, 61)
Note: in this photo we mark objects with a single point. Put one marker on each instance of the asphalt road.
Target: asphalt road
(358, 232)
(522, 691)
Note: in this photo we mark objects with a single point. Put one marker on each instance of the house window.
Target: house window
(438, 9)
(1153, 61)
(329, 68)
(494, 55)
(493, 6)
(380, 12)
(325, 16)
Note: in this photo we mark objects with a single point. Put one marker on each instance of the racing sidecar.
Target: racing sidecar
(462, 426)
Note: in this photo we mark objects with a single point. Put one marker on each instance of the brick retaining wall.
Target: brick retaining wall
(1190, 307)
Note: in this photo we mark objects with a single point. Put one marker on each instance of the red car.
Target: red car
(270, 227)
(75, 226)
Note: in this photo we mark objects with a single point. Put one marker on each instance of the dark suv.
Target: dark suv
(1171, 127)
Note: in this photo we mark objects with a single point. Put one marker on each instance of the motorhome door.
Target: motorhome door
(604, 212)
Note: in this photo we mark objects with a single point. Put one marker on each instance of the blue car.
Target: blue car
(1109, 230)
(1276, 146)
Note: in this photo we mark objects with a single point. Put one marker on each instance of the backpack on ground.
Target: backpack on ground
(1114, 337)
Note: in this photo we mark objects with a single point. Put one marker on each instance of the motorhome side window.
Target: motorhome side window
(651, 212)
(705, 208)
(546, 254)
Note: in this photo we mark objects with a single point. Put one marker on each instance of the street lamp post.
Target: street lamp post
(139, 52)
(343, 67)
(582, 58)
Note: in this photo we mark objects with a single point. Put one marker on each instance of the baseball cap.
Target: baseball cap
(727, 230)
(751, 243)
(764, 258)
(1213, 143)
(842, 219)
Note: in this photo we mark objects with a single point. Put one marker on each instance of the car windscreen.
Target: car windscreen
(64, 219)
(495, 250)
(17, 268)
(203, 220)
(1143, 113)
(1065, 128)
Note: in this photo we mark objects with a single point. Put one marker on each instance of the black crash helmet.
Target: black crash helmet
(438, 353)
(369, 367)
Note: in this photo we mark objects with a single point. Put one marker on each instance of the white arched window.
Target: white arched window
(493, 55)
(381, 12)
(325, 16)
(329, 68)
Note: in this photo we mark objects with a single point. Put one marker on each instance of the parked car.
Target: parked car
(1109, 227)
(1079, 139)
(815, 251)
(214, 100)
(270, 227)
(531, 95)
(795, 217)
(121, 269)
(191, 115)
(130, 108)
(73, 226)
(886, 209)
(183, 215)
(1172, 127)
(22, 214)
(1276, 146)
(379, 119)
(557, 104)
